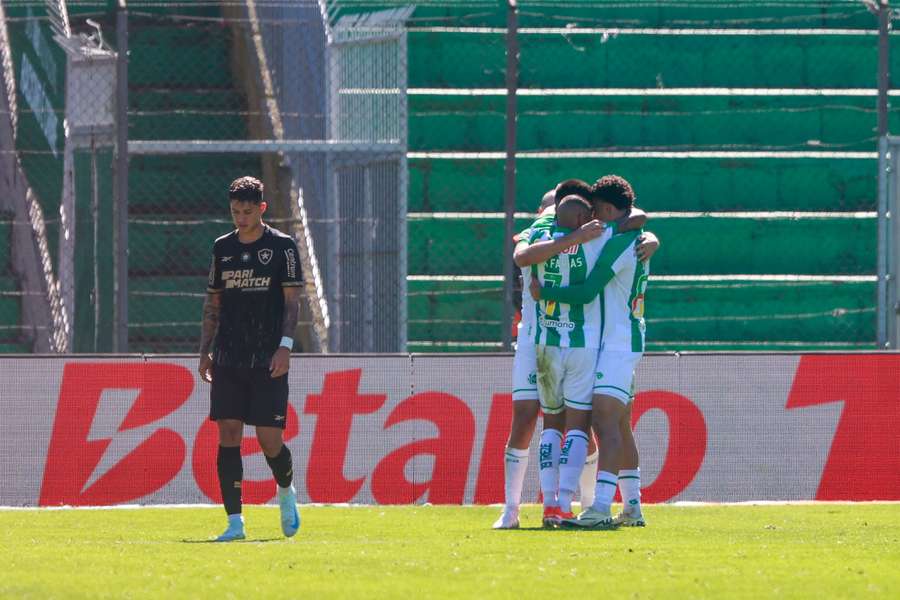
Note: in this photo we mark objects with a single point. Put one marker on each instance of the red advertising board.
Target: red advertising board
(403, 429)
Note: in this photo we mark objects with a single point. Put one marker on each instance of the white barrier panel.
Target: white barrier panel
(401, 429)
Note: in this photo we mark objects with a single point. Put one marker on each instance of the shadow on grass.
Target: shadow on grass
(559, 529)
(247, 541)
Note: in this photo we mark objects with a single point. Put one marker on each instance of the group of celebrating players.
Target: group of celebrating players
(585, 267)
(584, 263)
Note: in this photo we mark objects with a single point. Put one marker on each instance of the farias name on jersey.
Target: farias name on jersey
(244, 280)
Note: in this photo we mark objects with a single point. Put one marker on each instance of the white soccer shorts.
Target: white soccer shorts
(525, 371)
(565, 377)
(615, 374)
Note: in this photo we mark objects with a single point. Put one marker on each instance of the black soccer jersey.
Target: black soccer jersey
(250, 278)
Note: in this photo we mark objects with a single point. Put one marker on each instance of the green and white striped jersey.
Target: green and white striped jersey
(560, 324)
(623, 297)
(526, 325)
(619, 279)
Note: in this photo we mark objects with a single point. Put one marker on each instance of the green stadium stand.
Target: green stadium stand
(10, 305)
(180, 87)
(614, 126)
(700, 245)
(697, 184)
(477, 123)
(645, 61)
(690, 314)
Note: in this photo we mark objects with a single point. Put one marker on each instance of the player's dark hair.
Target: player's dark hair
(246, 189)
(572, 186)
(614, 190)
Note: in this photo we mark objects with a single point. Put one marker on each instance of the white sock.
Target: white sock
(588, 480)
(514, 466)
(571, 464)
(551, 441)
(630, 487)
(605, 491)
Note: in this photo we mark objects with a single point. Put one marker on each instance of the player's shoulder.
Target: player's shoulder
(225, 239)
(280, 237)
(621, 244)
(627, 236)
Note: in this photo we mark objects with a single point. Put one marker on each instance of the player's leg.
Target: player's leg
(549, 380)
(629, 476)
(269, 414)
(606, 413)
(578, 383)
(230, 469)
(551, 446)
(572, 457)
(589, 473)
(525, 412)
(515, 463)
(227, 407)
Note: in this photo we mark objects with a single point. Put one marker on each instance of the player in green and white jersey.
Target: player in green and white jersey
(525, 407)
(525, 394)
(567, 338)
(618, 279)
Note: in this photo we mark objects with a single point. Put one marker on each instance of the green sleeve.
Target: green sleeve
(600, 275)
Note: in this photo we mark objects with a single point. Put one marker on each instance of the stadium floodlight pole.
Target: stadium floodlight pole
(509, 188)
(885, 310)
(120, 205)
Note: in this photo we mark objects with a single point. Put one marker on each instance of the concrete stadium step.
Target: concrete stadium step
(169, 54)
(10, 310)
(176, 339)
(477, 123)
(692, 314)
(753, 311)
(163, 248)
(193, 183)
(5, 242)
(661, 184)
(467, 60)
(165, 313)
(165, 114)
(454, 310)
(704, 245)
(630, 14)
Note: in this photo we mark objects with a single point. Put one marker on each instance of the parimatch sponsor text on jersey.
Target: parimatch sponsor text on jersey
(250, 278)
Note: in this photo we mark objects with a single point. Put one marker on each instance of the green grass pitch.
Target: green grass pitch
(796, 551)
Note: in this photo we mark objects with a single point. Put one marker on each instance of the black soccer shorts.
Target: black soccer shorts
(249, 395)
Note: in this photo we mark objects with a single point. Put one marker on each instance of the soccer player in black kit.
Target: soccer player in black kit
(249, 319)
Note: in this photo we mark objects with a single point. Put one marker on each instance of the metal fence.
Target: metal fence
(401, 145)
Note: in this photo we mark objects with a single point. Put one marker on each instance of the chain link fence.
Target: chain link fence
(747, 129)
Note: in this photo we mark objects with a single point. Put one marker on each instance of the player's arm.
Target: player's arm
(282, 358)
(647, 246)
(633, 220)
(538, 252)
(290, 286)
(211, 309)
(596, 280)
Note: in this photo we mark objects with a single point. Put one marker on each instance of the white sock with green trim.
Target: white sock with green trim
(605, 491)
(551, 441)
(630, 487)
(514, 466)
(571, 464)
(588, 480)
